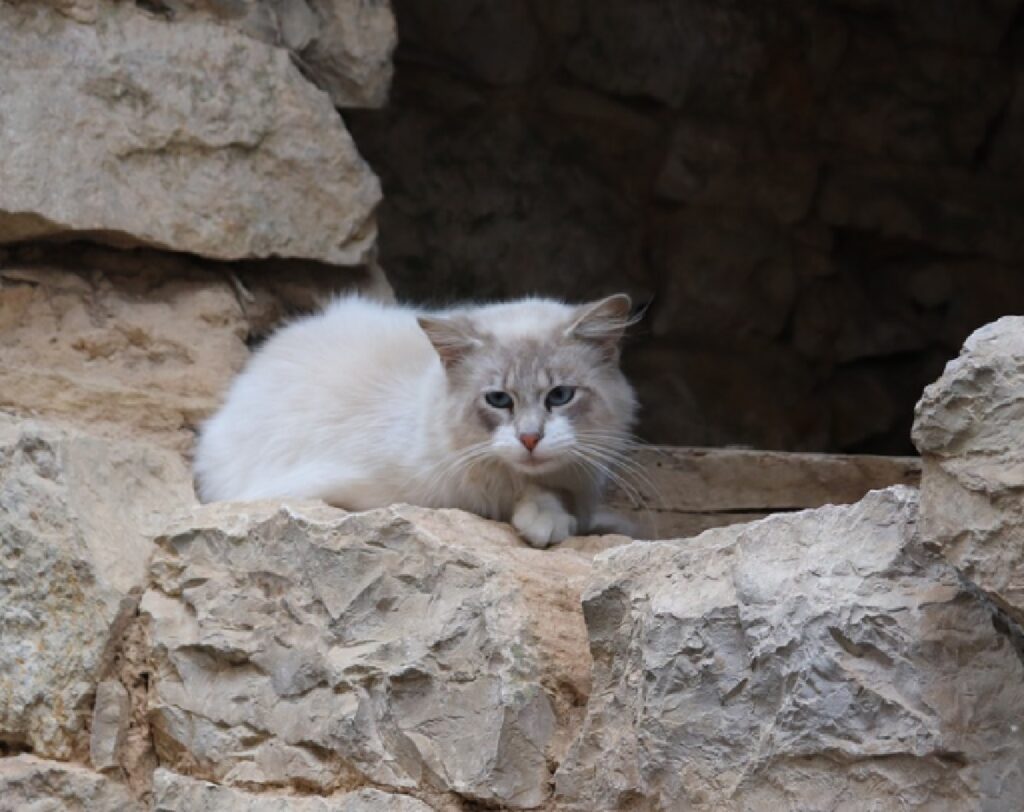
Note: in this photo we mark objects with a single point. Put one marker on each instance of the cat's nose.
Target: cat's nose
(530, 440)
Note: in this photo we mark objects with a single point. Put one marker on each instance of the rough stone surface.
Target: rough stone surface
(187, 136)
(968, 429)
(110, 718)
(819, 660)
(302, 646)
(30, 784)
(344, 46)
(134, 342)
(77, 514)
(177, 793)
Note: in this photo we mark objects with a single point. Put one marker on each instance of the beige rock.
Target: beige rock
(820, 660)
(110, 717)
(76, 517)
(187, 136)
(968, 430)
(420, 650)
(145, 346)
(33, 784)
(177, 793)
(344, 46)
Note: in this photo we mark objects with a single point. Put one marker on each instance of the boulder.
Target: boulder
(177, 793)
(30, 783)
(188, 136)
(817, 660)
(968, 430)
(77, 514)
(301, 646)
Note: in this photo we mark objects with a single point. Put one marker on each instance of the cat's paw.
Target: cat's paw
(542, 521)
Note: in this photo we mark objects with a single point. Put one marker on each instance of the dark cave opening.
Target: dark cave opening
(820, 200)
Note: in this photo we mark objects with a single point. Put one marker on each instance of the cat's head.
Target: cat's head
(536, 383)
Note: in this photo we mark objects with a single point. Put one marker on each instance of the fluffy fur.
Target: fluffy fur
(367, 404)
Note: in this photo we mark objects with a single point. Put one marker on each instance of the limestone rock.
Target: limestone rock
(968, 430)
(187, 136)
(817, 660)
(344, 46)
(30, 783)
(132, 342)
(177, 793)
(76, 517)
(110, 717)
(303, 646)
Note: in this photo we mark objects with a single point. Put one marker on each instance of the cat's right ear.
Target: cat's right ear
(453, 337)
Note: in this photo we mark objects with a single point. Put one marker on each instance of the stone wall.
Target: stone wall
(175, 178)
(267, 657)
(821, 200)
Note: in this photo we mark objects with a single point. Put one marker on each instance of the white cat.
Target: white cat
(514, 411)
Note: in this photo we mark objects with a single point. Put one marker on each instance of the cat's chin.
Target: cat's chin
(535, 467)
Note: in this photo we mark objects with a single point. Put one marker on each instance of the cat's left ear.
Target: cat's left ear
(452, 336)
(604, 322)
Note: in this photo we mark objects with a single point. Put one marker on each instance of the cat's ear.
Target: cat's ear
(604, 322)
(452, 336)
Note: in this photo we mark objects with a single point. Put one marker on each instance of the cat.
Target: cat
(515, 411)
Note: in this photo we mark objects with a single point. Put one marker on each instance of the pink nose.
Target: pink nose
(529, 440)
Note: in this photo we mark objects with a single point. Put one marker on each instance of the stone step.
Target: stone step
(674, 492)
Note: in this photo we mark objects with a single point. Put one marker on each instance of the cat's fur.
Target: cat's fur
(366, 404)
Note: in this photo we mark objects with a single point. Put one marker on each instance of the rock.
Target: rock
(727, 165)
(176, 793)
(344, 46)
(668, 51)
(30, 784)
(817, 660)
(76, 517)
(133, 342)
(110, 718)
(950, 210)
(751, 394)
(489, 40)
(188, 136)
(302, 646)
(967, 428)
(725, 275)
(921, 105)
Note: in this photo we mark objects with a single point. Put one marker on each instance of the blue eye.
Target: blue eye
(559, 396)
(499, 400)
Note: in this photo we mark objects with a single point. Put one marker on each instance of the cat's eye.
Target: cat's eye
(559, 396)
(499, 400)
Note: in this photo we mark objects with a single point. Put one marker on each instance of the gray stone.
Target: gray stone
(177, 793)
(30, 784)
(820, 660)
(110, 717)
(187, 136)
(303, 646)
(968, 430)
(77, 514)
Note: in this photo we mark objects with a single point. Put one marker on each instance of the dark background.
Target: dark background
(821, 200)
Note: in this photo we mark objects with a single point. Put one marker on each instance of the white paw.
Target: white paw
(542, 520)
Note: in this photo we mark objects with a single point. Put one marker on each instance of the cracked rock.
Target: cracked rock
(302, 646)
(819, 660)
(188, 136)
(968, 430)
(177, 793)
(77, 515)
